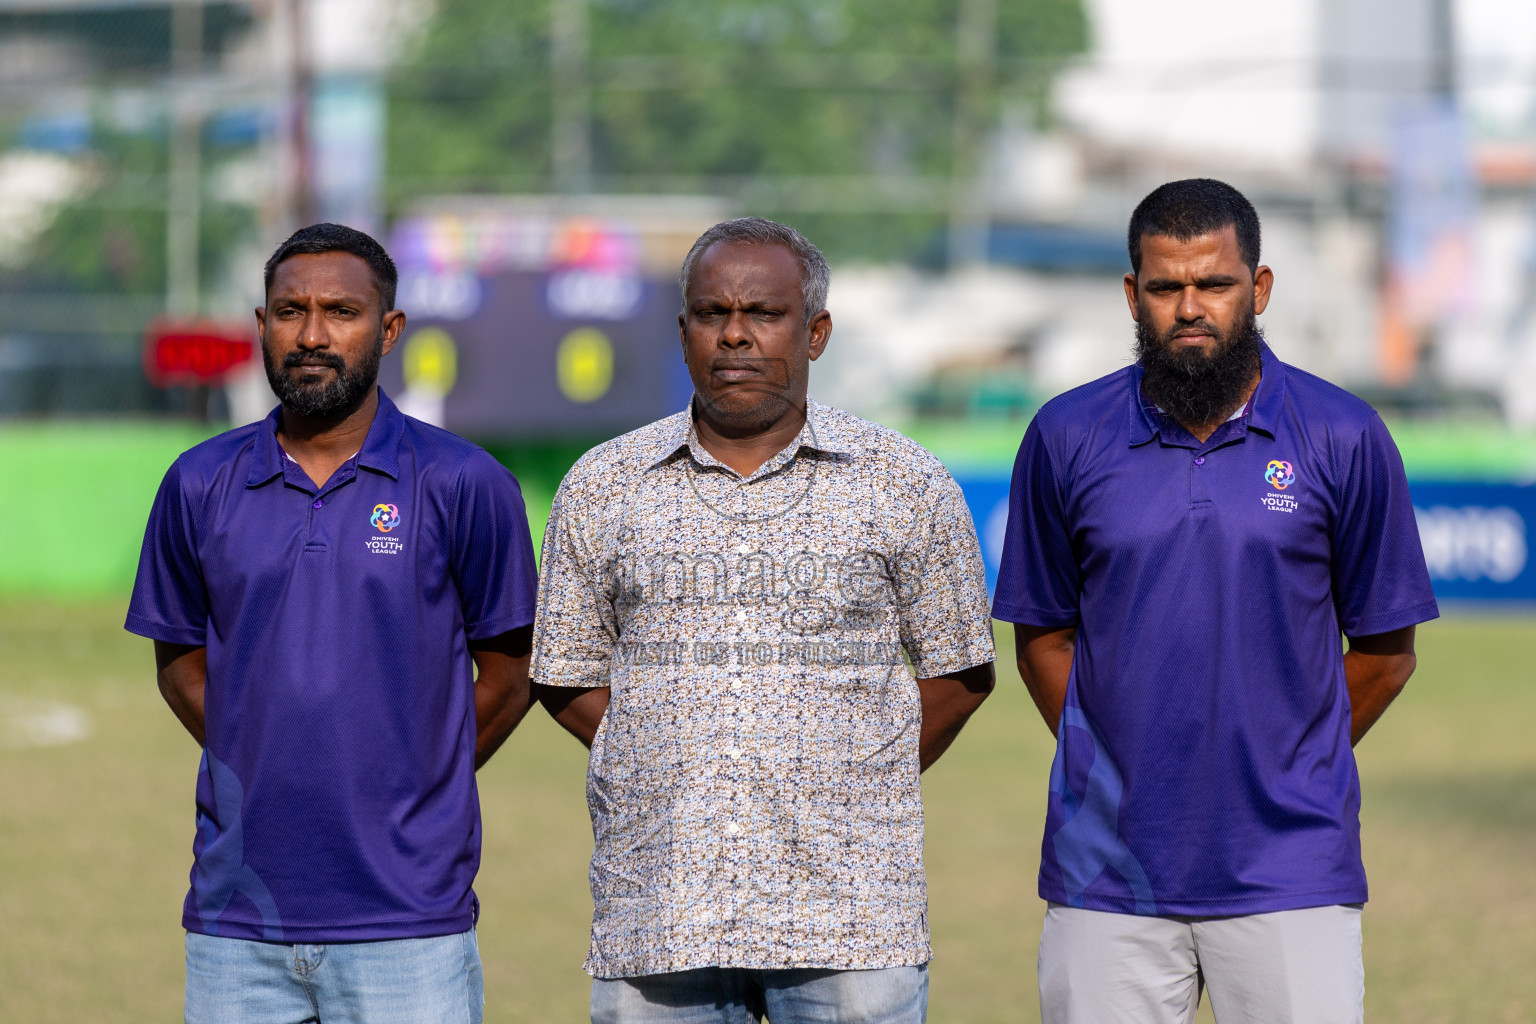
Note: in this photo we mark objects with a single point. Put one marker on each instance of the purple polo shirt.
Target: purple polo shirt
(336, 799)
(1203, 765)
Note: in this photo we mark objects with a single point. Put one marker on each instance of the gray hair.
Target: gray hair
(814, 272)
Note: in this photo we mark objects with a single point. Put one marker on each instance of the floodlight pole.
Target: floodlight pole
(570, 134)
(975, 60)
(183, 206)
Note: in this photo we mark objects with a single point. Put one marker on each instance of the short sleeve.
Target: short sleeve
(169, 601)
(492, 556)
(1380, 581)
(574, 635)
(941, 587)
(1038, 580)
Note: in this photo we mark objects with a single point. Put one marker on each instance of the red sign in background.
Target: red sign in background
(188, 353)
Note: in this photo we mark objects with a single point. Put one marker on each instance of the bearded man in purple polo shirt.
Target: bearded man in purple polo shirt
(320, 588)
(1187, 539)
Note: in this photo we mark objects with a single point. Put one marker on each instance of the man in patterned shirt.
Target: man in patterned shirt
(726, 599)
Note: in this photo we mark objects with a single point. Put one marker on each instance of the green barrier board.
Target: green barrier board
(77, 494)
(76, 498)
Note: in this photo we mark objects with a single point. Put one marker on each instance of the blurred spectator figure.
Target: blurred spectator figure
(1186, 540)
(727, 597)
(320, 587)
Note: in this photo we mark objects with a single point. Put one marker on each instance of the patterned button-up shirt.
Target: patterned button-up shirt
(754, 784)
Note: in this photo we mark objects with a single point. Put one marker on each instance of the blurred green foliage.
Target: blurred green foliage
(111, 238)
(690, 96)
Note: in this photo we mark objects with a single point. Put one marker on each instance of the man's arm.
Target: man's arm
(182, 672)
(947, 702)
(1376, 668)
(1044, 655)
(579, 710)
(501, 688)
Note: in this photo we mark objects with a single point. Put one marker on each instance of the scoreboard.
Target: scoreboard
(528, 322)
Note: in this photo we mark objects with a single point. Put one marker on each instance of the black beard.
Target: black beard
(332, 399)
(1196, 389)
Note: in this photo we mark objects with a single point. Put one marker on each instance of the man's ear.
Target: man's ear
(1263, 282)
(821, 333)
(1130, 296)
(394, 323)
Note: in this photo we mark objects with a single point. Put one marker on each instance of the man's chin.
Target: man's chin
(753, 411)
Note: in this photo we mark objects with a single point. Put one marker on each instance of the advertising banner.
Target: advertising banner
(1476, 536)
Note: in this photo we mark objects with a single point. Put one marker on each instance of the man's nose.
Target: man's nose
(737, 331)
(1190, 306)
(313, 333)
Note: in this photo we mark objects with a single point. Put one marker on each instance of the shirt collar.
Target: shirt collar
(1144, 423)
(822, 432)
(380, 451)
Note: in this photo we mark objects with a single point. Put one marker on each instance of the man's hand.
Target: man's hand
(578, 710)
(1376, 668)
(501, 688)
(1045, 661)
(182, 672)
(947, 702)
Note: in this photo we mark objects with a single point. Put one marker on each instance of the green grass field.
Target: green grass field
(95, 841)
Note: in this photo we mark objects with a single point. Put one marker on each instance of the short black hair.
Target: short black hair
(318, 238)
(1191, 208)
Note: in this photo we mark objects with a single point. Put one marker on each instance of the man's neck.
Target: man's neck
(320, 446)
(746, 452)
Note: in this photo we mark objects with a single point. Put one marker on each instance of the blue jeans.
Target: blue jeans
(730, 995)
(400, 981)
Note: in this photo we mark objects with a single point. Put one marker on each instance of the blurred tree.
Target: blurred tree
(111, 238)
(801, 109)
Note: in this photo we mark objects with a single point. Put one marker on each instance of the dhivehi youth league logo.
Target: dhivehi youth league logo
(1278, 474)
(385, 517)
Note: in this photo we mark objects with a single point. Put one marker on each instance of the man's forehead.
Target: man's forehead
(342, 272)
(1218, 244)
(759, 263)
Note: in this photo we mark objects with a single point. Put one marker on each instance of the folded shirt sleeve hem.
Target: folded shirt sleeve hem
(191, 635)
(1386, 622)
(499, 625)
(565, 672)
(1027, 615)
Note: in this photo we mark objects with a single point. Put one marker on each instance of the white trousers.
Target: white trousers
(1290, 967)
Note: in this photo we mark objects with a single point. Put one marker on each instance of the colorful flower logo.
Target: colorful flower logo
(385, 517)
(1279, 474)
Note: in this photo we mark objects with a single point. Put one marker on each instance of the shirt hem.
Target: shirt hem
(1412, 616)
(318, 934)
(1027, 616)
(638, 969)
(141, 626)
(1215, 906)
(562, 673)
(973, 658)
(497, 626)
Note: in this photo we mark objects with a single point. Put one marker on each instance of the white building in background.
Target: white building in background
(1294, 102)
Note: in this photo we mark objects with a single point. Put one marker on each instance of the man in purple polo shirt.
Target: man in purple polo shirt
(320, 588)
(1187, 539)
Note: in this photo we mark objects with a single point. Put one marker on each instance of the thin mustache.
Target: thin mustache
(293, 359)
